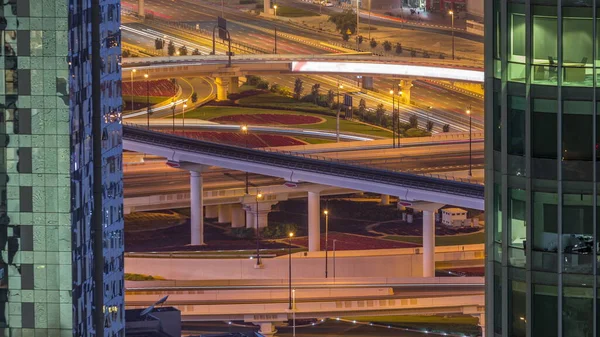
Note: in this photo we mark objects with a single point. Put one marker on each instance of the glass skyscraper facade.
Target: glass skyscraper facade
(542, 174)
(61, 219)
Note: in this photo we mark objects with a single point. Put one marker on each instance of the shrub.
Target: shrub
(141, 277)
(262, 84)
(253, 80)
(242, 233)
(275, 87)
(277, 231)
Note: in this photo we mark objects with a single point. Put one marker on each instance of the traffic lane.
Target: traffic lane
(206, 18)
(407, 152)
(151, 186)
(364, 17)
(436, 96)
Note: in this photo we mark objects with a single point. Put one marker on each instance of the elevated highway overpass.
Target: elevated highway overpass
(426, 193)
(217, 66)
(268, 305)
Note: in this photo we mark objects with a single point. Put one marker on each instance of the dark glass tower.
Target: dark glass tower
(542, 174)
(61, 223)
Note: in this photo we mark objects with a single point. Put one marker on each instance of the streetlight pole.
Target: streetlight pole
(337, 120)
(294, 313)
(398, 114)
(244, 129)
(132, 73)
(275, 51)
(173, 112)
(184, 106)
(290, 235)
(147, 100)
(258, 263)
(326, 212)
(452, 15)
(393, 120)
(334, 241)
(275, 10)
(357, 22)
(470, 143)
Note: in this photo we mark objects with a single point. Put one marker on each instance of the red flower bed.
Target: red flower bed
(235, 138)
(161, 88)
(355, 242)
(268, 119)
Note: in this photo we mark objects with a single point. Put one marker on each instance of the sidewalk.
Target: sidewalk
(425, 18)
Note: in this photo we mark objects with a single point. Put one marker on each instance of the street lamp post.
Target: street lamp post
(398, 114)
(326, 212)
(470, 143)
(244, 129)
(275, 50)
(173, 113)
(337, 120)
(258, 263)
(290, 235)
(452, 15)
(294, 313)
(393, 119)
(133, 71)
(275, 10)
(334, 241)
(147, 100)
(184, 106)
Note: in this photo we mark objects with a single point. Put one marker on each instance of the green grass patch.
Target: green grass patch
(446, 240)
(141, 277)
(209, 112)
(315, 140)
(270, 100)
(143, 221)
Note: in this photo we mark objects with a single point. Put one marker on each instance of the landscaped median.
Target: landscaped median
(244, 115)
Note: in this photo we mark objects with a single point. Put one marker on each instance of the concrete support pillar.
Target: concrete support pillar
(267, 7)
(428, 243)
(224, 213)
(267, 329)
(141, 11)
(197, 218)
(212, 212)
(367, 81)
(250, 219)
(314, 222)
(406, 86)
(385, 199)
(234, 85)
(237, 216)
(222, 84)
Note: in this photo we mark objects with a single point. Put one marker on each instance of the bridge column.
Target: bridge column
(429, 209)
(267, 329)
(482, 324)
(428, 244)
(314, 221)
(250, 219)
(385, 199)
(222, 86)
(367, 82)
(224, 213)
(234, 85)
(212, 211)
(406, 86)
(197, 218)
(267, 7)
(141, 11)
(237, 216)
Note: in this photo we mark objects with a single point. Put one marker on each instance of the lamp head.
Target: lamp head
(145, 75)
(391, 92)
(259, 195)
(134, 70)
(244, 128)
(451, 12)
(291, 234)
(326, 212)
